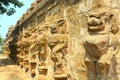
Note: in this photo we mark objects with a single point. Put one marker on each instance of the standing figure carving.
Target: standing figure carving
(57, 42)
(101, 44)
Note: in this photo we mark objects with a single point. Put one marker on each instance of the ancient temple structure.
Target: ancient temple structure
(67, 40)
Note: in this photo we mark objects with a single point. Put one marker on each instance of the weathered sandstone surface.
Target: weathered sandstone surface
(68, 40)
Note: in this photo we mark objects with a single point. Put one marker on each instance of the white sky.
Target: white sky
(7, 21)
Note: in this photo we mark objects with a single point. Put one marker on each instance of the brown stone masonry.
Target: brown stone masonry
(67, 40)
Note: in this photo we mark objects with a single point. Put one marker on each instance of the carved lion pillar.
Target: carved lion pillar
(100, 43)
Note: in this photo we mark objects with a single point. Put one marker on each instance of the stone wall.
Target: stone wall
(68, 40)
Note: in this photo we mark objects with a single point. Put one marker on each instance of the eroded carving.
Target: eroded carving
(57, 42)
(58, 45)
(68, 39)
(101, 25)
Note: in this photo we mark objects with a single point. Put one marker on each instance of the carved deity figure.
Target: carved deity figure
(31, 51)
(28, 38)
(101, 43)
(38, 51)
(19, 51)
(41, 43)
(59, 27)
(57, 42)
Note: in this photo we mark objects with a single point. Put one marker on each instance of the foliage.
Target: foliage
(1, 39)
(6, 6)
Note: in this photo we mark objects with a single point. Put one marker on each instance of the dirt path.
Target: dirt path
(10, 71)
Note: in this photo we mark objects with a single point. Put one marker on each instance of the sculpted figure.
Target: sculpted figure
(38, 51)
(42, 49)
(57, 42)
(28, 38)
(19, 51)
(59, 27)
(32, 53)
(33, 59)
(100, 44)
(41, 43)
(25, 49)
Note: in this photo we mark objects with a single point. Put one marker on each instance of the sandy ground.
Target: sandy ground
(10, 71)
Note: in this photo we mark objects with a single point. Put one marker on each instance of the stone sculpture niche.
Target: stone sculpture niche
(33, 69)
(38, 51)
(32, 51)
(33, 59)
(26, 49)
(41, 43)
(58, 44)
(99, 45)
(19, 60)
(42, 49)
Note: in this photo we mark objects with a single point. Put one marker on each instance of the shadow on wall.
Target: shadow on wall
(6, 61)
(13, 50)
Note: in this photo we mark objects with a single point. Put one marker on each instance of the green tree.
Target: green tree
(8, 6)
(1, 45)
(1, 39)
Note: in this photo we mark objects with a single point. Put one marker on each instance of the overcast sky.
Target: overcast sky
(7, 21)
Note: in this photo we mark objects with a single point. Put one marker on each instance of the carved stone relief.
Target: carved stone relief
(68, 40)
(100, 44)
